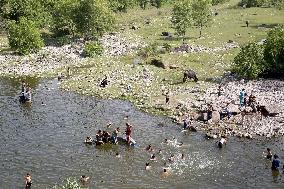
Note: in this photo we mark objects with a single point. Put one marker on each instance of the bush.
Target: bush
(253, 3)
(92, 49)
(249, 63)
(274, 52)
(149, 51)
(24, 37)
(216, 2)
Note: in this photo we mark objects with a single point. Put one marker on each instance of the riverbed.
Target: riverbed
(46, 139)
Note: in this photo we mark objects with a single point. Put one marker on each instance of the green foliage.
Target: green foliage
(63, 17)
(201, 13)
(35, 10)
(274, 51)
(149, 51)
(121, 5)
(143, 3)
(253, 3)
(167, 47)
(69, 184)
(216, 2)
(92, 49)
(181, 16)
(94, 17)
(24, 36)
(249, 63)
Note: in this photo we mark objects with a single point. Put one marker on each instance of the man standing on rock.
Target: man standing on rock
(167, 97)
(242, 97)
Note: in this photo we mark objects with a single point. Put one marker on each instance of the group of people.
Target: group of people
(26, 94)
(103, 137)
(248, 101)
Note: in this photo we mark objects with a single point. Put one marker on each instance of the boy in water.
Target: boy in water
(28, 180)
(275, 163)
(222, 142)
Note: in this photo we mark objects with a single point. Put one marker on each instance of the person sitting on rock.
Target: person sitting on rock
(104, 82)
(99, 137)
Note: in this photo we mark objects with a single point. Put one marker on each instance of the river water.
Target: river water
(46, 139)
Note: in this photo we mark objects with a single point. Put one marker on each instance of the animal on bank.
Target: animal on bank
(189, 74)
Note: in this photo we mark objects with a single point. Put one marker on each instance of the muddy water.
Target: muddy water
(45, 139)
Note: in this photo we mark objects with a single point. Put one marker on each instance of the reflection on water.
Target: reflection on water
(46, 139)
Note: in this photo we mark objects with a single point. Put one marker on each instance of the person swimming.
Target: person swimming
(84, 179)
(222, 142)
(153, 157)
(165, 173)
(88, 140)
(171, 158)
(149, 148)
(147, 166)
(117, 155)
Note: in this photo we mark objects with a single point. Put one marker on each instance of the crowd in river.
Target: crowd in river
(103, 137)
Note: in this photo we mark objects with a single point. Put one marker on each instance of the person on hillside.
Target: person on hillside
(275, 162)
(242, 96)
(28, 181)
(104, 82)
(220, 91)
(222, 142)
(167, 97)
(128, 133)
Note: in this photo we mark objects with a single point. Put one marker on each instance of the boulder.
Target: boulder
(173, 66)
(158, 63)
(215, 116)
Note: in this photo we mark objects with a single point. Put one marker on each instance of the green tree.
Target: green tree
(64, 14)
(143, 3)
(181, 16)
(201, 13)
(31, 9)
(94, 17)
(121, 5)
(24, 37)
(249, 63)
(274, 51)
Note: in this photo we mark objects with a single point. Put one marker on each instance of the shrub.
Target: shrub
(249, 63)
(149, 51)
(92, 49)
(274, 51)
(216, 2)
(253, 3)
(24, 36)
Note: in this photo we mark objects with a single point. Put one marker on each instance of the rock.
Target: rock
(158, 63)
(173, 66)
(215, 116)
(134, 27)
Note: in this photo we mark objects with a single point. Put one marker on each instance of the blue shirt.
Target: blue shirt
(275, 164)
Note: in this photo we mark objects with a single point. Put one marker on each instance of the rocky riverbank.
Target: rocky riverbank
(146, 85)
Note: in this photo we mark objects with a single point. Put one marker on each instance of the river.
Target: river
(46, 139)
